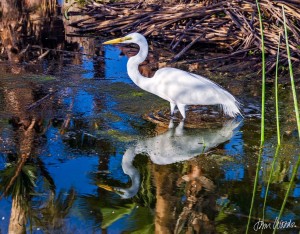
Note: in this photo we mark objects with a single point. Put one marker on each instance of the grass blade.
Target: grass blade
(277, 129)
(276, 93)
(295, 169)
(291, 73)
(262, 129)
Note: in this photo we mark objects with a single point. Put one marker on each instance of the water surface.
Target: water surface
(74, 141)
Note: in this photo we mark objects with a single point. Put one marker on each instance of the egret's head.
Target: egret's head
(130, 38)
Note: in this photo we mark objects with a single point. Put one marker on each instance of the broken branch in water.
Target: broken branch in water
(39, 102)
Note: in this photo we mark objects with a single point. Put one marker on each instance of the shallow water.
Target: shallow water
(90, 163)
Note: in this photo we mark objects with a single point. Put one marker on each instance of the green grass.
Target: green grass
(277, 128)
(262, 139)
(291, 73)
(295, 168)
(262, 133)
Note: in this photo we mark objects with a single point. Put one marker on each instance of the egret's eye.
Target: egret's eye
(127, 38)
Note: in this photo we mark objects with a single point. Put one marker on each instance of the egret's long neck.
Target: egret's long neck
(133, 66)
(132, 172)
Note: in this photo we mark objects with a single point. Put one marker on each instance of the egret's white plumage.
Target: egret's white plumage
(175, 145)
(179, 87)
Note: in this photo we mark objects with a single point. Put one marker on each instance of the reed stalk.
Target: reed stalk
(262, 129)
(295, 169)
(277, 128)
(276, 93)
(291, 73)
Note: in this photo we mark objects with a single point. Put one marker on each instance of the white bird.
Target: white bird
(179, 87)
(175, 145)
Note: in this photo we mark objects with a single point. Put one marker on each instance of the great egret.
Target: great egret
(179, 87)
(175, 145)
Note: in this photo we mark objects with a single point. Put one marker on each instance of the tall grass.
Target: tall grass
(262, 139)
(262, 131)
(276, 93)
(291, 73)
(277, 128)
(295, 169)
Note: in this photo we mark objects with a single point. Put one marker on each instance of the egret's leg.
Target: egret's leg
(171, 124)
(179, 129)
(172, 106)
(181, 108)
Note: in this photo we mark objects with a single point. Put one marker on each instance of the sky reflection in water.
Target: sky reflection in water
(91, 151)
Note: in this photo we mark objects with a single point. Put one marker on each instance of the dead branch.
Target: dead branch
(230, 26)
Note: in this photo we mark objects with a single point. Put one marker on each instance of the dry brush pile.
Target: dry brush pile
(231, 26)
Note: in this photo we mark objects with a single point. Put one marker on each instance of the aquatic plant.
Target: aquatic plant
(277, 128)
(262, 132)
(146, 194)
(295, 168)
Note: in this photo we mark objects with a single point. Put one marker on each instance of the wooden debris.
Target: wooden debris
(40, 101)
(230, 26)
(43, 55)
(196, 117)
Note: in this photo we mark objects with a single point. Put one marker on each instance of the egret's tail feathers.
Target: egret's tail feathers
(232, 108)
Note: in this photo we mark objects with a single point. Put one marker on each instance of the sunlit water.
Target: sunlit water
(111, 171)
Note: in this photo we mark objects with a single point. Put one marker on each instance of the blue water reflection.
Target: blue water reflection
(115, 65)
(88, 135)
(235, 148)
(88, 66)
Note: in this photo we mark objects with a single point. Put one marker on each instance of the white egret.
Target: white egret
(179, 87)
(175, 145)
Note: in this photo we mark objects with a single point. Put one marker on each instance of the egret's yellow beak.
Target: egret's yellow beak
(106, 187)
(117, 40)
(109, 188)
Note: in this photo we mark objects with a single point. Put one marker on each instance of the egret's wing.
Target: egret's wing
(182, 87)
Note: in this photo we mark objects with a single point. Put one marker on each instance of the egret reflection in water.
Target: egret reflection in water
(175, 145)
